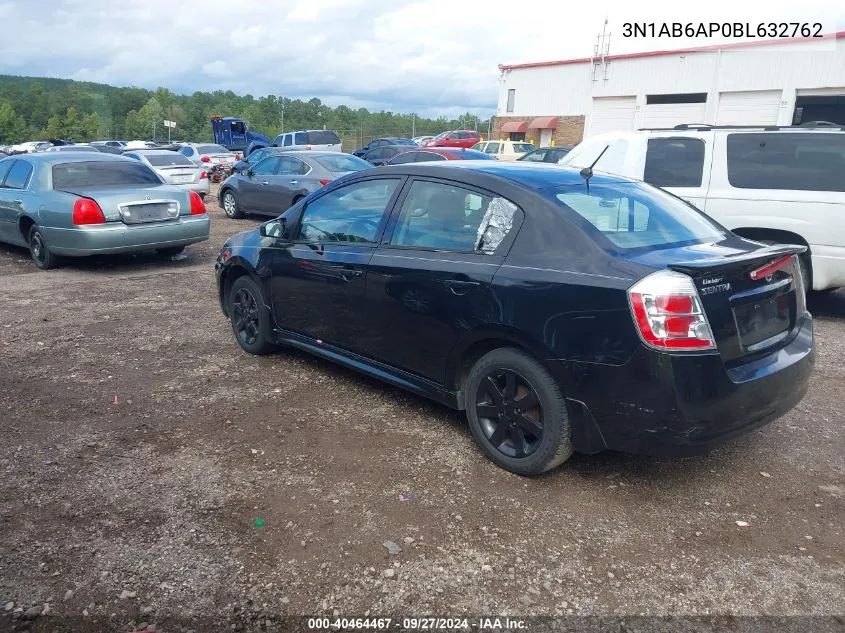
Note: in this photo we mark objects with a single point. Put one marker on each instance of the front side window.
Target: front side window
(351, 213)
(238, 127)
(801, 161)
(18, 176)
(440, 216)
(291, 166)
(266, 167)
(624, 216)
(492, 148)
(674, 162)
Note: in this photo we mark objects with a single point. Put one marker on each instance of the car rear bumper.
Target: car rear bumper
(202, 187)
(674, 404)
(117, 237)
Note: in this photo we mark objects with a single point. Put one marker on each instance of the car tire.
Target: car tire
(250, 317)
(171, 251)
(40, 252)
(230, 205)
(525, 440)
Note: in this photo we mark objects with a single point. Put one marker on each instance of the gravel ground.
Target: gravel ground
(152, 473)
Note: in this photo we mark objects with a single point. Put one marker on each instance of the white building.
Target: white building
(772, 82)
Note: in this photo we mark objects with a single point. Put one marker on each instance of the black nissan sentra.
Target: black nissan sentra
(562, 310)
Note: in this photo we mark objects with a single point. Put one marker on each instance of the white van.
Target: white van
(772, 184)
(317, 140)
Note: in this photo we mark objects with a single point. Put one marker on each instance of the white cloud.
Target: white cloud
(429, 56)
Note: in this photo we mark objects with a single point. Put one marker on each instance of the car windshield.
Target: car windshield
(71, 176)
(625, 216)
(342, 162)
(322, 137)
(441, 135)
(212, 149)
(171, 158)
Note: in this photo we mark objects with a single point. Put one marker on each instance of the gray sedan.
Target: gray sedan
(278, 181)
(174, 169)
(75, 204)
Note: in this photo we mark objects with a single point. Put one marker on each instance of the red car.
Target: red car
(455, 138)
(427, 154)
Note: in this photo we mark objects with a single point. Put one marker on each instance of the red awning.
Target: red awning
(515, 126)
(544, 123)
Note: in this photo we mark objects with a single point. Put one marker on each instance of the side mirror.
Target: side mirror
(274, 228)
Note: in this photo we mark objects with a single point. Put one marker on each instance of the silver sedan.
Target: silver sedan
(174, 168)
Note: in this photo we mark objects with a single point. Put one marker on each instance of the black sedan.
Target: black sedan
(561, 310)
(383, 142)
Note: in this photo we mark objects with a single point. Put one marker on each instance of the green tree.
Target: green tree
(151, 119)
(12, 125)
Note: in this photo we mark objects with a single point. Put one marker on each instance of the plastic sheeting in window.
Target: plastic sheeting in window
(497, 222)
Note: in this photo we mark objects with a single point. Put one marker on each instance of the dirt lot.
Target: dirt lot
(140, 445)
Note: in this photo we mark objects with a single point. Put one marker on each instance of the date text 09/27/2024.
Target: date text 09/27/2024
(416, 624)
(771, 30)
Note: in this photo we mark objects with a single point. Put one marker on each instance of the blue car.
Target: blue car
(561, 310)
(76, 203)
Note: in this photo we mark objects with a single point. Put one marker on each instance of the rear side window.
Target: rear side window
(324, 137)
(342, 162)
(522, 147)
(5, 165)
(674, 162)
(18, 176)
(70, 176)
(300, 138)
(289, 166)
(786, 160)
(288, 140)
(625, 216)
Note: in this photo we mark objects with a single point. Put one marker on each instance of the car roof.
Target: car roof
(534, 175)
(71, 157)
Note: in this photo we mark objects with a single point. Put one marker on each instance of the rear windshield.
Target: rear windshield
(323, 137)
(796, 161)
(523, 147)
(471, 154)
(631, 216)
(212, 149)
(72, 176)
(76, 148)
(343, 162)
(160, 160)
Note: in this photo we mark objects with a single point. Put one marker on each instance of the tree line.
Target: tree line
(40, 108)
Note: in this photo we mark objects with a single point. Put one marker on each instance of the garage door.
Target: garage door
(612, 114)
(759, 107)
(672, 114)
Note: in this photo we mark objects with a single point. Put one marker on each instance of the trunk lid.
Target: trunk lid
(138, 205)
(178, 174)
(752, 294)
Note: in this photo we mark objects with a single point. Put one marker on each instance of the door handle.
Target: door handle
(293, 182)
(17, 201)
(350, 273)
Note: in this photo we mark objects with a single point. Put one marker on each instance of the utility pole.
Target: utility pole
(413, 125)
(282, 118)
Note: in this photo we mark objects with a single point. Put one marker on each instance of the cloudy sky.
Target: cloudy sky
(427, 56)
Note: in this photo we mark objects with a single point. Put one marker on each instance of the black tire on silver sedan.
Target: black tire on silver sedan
(230, 205)
(250, 317)
(517, 413)
(40, 252)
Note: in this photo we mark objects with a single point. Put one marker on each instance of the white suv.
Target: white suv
(770, 184)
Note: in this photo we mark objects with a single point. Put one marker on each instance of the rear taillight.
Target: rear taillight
(203, 176)
(771, 267)
(87, 211)
(197, 205)
(324, 181)
(205, 159)
(668, 314)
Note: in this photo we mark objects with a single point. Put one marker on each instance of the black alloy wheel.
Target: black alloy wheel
(249, 316)
(517, 413)
(41, 255)
(510, 413)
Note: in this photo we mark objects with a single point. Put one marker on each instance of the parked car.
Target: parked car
(209, 155)
(254, 158)
(114, 144)
(140, 145)
(561, 311)
(174, 169)
(380, 155)
(428, 154)
(455, 138)
(282, 179)
(419, 140)
(504, 150)
(546, 154)
(30, 147)
(76, 204)
(106, 149)
(775, 185)
(382, 142)
(314, 140)
(81, 147)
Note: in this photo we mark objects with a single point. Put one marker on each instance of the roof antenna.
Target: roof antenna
(587, 172)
